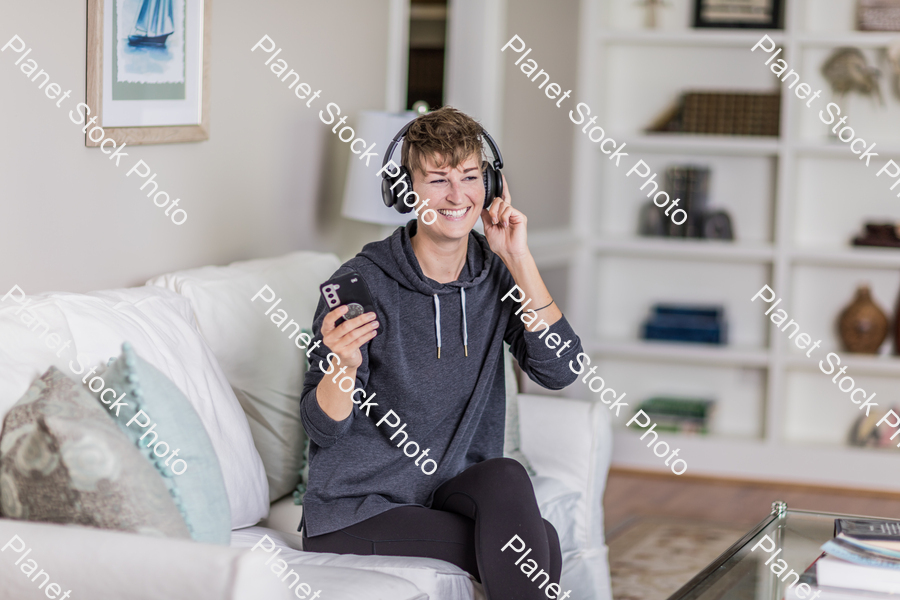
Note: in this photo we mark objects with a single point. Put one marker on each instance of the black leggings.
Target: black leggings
(473, 516)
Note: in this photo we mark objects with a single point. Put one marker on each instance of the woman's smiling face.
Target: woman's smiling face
(456, 195)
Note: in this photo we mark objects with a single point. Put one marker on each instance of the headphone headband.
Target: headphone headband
(493, 180)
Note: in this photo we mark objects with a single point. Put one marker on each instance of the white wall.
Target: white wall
(473, 80)
(537, 136)
(268, 180)
(271, 176)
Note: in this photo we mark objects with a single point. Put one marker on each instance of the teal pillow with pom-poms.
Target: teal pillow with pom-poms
(174, 441)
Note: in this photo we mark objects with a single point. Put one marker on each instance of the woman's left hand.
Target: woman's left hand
(505, 227)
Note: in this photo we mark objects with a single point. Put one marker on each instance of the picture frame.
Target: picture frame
(148, 70)
(744, 14)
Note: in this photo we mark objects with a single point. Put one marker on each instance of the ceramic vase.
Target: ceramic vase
(863, 325)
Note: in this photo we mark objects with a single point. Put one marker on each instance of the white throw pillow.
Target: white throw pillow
(160, 326)
(261, 358)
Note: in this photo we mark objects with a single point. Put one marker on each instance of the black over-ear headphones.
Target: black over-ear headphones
(493, 181)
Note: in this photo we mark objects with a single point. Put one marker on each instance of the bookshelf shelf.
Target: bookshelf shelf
(878, 258)
(840, 150)
(769, 460)
(857, 363)
(706, 144)
(859, 39)
(680, 249)
(796, 202)
(687, 37)
(681, 353)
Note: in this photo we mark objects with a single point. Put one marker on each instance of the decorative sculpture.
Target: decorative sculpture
(652, 6)
(848, 70)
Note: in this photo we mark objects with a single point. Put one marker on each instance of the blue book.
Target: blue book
(687, 323)
(845, 550)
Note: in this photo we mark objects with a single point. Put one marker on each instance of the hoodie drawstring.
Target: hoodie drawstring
(462, 295)
(437, 322)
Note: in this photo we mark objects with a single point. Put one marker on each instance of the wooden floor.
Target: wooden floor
(632, 494)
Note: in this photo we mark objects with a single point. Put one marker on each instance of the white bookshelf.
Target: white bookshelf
(796, 201)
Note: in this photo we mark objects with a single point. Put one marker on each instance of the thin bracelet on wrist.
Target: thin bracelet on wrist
(543, 307)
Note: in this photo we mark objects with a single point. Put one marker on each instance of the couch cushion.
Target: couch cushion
(345, 581)
(62, 459)
(436, 578)
(284, 517)
(170, 425)
(161, 327)
(259, 352)
(557, 502)
(559, 505)
(93, 564)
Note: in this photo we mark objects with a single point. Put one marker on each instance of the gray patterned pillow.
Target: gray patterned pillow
(63, 460)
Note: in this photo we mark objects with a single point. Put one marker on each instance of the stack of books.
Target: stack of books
(680, 415)
(862, 561)
(691, 184)
(686, 323)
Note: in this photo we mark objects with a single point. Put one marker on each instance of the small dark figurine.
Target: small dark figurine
(717, 226)
(879, 234)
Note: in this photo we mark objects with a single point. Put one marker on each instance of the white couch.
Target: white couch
(568, 442)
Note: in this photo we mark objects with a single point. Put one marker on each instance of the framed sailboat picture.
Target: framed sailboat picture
(148, 70)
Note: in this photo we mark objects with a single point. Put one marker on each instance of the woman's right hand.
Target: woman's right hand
(346, 339)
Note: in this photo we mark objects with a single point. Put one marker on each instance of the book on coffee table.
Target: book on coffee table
(816, 589)
(834, 572)
(847, 549)
(875, 534)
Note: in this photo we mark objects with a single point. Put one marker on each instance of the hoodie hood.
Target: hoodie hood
(396, 258)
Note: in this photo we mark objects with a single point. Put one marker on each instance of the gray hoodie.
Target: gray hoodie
(453, 406)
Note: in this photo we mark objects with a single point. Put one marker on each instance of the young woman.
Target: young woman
(409, 462)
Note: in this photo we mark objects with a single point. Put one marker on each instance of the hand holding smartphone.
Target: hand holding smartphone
(348, 290)
(349, 325)
(350, 322)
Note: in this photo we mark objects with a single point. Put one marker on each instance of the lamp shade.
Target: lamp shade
(362, 192)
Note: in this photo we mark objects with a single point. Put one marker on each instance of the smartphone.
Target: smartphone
(350, 290)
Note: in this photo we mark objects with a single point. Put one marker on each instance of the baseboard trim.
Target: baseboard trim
(798, 487)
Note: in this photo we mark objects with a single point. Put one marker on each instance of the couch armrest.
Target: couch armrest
(112, 565)
(570, 440)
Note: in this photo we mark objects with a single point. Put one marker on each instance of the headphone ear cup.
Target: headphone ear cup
(401, 185)
(493, 184)
(387, 194)
(489, 185)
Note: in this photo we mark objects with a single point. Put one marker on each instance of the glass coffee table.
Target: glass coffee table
(739, 574)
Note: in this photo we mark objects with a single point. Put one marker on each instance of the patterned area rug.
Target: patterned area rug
(651, 558)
